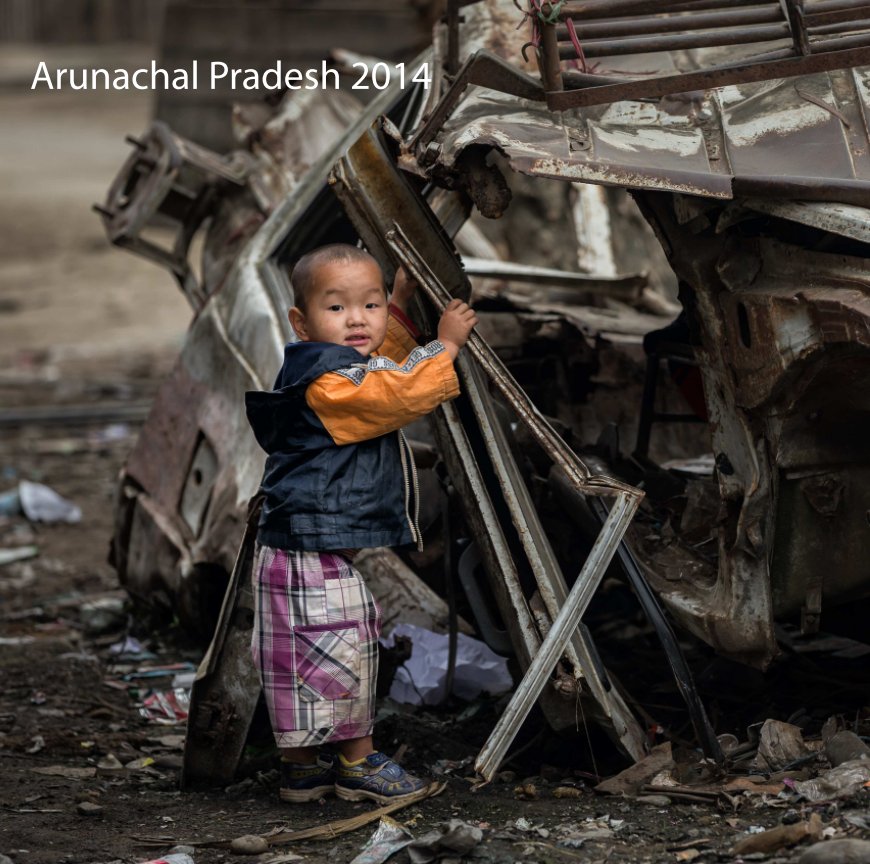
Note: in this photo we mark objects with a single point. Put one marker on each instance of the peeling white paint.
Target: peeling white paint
(642, 114)
(592, 224)
(646, 138)
(795, 330)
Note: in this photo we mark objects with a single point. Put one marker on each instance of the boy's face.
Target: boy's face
(346, 306)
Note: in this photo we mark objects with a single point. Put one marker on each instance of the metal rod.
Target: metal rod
(628, 287)
(674, 653)
(627, 500)
(679, 41)
(820, 6)
(620, 8)
(75, 415)
(841, 43)
(657, 24)
(453, 18)
(553, 646)
(796, 28)
(836, 17)
(715, 4)
(842, 27)
(551, 72)
(650, 88)
(580, 650)
(487, 528)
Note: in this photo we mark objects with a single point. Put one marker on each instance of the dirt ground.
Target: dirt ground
(84, 324)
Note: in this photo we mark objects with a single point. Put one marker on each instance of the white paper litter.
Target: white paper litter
(41, 504)
(421, 680)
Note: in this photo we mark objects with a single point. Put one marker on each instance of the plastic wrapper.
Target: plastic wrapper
(422, 679)
(389, 838)
(840, 782)
(169, 707)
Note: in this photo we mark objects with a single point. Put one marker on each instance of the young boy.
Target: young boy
(339, 477)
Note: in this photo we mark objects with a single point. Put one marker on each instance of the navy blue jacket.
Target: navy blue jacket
(319, 495)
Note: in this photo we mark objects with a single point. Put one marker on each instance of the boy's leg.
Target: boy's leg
(299, 755)
(354, 749)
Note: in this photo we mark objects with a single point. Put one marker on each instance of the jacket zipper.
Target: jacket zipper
(412, 489)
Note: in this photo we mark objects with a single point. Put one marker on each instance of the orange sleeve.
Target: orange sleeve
(379, 396)
(400, 340)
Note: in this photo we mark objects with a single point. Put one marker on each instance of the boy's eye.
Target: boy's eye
(373, 305)
(335, 308)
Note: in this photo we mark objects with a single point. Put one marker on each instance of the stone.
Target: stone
(654, 800)
(88, 808)
(249, 844)
(837, 852)
(845, 746)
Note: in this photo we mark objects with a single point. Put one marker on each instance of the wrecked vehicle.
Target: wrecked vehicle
(752, 172)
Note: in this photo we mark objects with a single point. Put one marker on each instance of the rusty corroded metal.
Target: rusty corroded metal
(385, 208)
(787, 42)
(747, 140)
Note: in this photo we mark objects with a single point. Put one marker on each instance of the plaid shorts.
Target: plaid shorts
(315, 645)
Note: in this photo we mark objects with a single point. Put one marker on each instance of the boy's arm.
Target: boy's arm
(379, 396)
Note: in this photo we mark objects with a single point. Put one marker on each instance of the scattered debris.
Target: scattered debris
(172, 858)
(88, 808)
(845, 746)
(455, 839)
(848, 851)
(130, 650)
(342, 826)
(38, 503)
(780, 837)
(633, 778)
(840, 782)
(70, 772)
(567, 792)
(249, 844)
(103, 615)
(389, 837)
(526, 791)
(110, 766)
(18, 553)
(574, 836)
(166, 707)
(779, 744)
(422, 679)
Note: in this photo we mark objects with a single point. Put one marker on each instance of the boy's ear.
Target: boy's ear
(297, 322)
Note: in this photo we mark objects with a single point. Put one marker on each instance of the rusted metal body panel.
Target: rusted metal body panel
(787, 138)
(780, 322)
(194, 467)
(762, 42)
(784, 354)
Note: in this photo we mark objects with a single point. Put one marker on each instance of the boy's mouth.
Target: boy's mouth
(357, 339)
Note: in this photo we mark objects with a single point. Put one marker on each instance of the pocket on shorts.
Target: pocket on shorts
(327, 661)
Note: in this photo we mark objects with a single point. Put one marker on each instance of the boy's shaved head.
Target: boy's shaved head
(302, 279)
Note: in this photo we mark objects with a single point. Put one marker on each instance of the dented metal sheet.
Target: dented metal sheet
(847, 220)
(785, 135)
